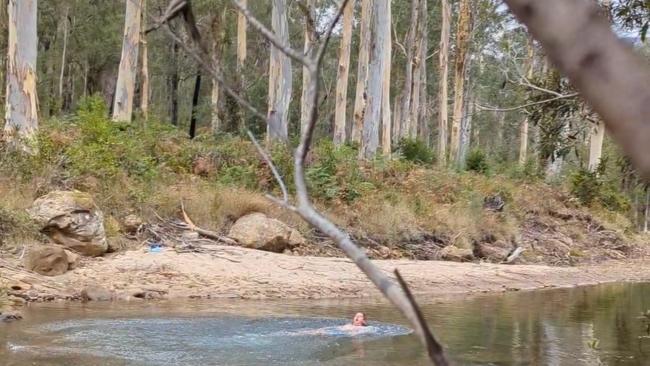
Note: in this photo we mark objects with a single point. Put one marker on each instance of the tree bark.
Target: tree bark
(310, 38)
(340, 124)
(360, 99)
(372, 117)
(422, 112)
(280, 77)
(466, 128)
(21, 106)
(125, 88)
(195, 103)
(647, 209)
(462, 48)
(386, 118)
(144, 70)
(443, 69)
(173, 85)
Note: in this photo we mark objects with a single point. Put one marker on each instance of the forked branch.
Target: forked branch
(399, 296)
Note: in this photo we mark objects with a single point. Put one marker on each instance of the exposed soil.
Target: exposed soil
(244, 273)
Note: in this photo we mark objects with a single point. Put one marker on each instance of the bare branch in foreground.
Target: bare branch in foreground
(611, 77)
(392, 291)
(434, 349)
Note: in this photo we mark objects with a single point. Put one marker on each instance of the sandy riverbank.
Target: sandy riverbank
(232, 272)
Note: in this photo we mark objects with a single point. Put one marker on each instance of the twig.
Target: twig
(270, 35)
(508, 109)
(206, 233)
(269, 162)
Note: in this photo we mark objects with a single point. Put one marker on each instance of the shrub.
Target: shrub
(591, 187)
(477, 161)
(415, 151)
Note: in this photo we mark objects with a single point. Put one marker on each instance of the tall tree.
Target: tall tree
(410, 90)
(125, 88)
(144, 66)
(372, 116)
(21, 106)
(360, 97)
(218, 28)
(242, 24)
(523, 129)
(279, 76)
(343, 75)
(64, 51)
(386, 118)
(310, 38)
(443, 70)
(462, 48)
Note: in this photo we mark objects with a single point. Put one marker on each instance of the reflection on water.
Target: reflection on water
(599, 325)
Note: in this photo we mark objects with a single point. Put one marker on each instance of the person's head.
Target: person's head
(359, 320)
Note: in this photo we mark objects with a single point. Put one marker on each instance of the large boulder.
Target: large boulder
(47, 260)
(261, 232)
(72, 219)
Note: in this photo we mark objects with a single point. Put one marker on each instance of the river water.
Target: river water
(598, 325)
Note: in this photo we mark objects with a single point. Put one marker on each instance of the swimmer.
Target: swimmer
(359, 320)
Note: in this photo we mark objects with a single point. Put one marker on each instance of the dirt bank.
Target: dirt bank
(243, 273)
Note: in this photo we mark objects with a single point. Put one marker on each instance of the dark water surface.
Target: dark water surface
(599, 325)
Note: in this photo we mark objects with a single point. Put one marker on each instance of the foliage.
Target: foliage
(335, 173)
(415, 150)
(591, 187)
(477, 161)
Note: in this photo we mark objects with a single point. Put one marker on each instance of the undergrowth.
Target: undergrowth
(148, 168)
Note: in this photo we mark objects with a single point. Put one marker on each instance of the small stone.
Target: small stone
(47, 260)
(96, 293)
(131, 223)
(455, 254)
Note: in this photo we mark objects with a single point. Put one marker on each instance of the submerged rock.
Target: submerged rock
(9, 316)
(258, 231)
(72, 219)
(47, 260)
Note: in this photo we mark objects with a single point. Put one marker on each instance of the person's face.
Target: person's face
(359, 319)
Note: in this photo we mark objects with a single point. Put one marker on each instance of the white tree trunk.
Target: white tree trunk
(242, 24)
(466, 129)
(372, 117)
(125, 87)
(523, 142)
(21, 106)
(362, 72)
(309, 39)
(63, 53)
(343, 75)
(462, 48)
(144, 69)
(280, 77)
(443, 69)
(596, 138)
(218, 39)
(386, 120)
